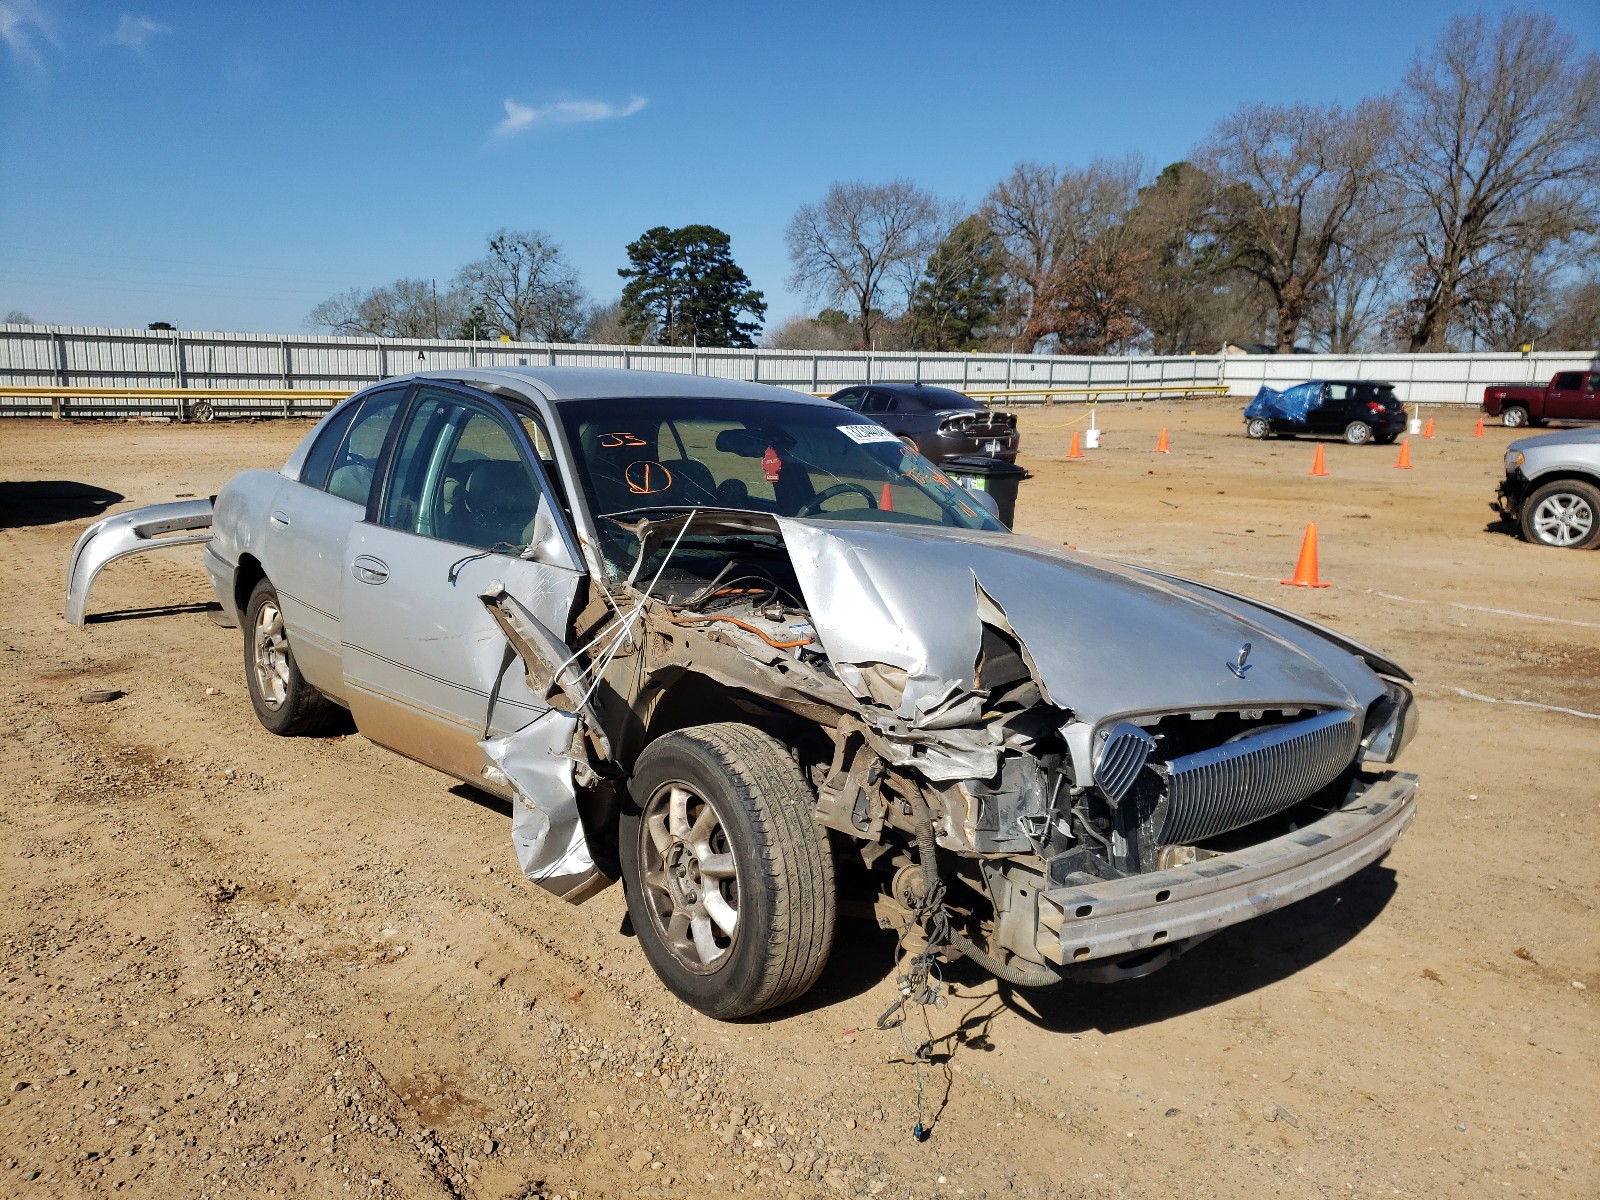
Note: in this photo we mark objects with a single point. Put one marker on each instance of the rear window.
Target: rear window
(1567, 381)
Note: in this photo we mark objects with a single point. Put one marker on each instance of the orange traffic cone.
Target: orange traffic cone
(1305, 571)
(1319, 465)
(1478, 432)
(1427, 430)
(1404, 461)
(1073, 451)
(1161, 442)
(886, 501)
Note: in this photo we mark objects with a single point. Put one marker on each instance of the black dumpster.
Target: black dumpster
(992, 475)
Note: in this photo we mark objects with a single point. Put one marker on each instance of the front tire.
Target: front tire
(285, 703)
(1258, 428)
(1564, 514)
(1514, 416)
(1358, 433)
(728, 874)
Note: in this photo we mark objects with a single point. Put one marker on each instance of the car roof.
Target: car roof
(562, 384)
(1359, 382)
(928, 393)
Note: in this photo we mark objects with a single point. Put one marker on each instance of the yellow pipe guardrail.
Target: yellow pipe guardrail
(1165, 389)
(121, 393)
(193, 404)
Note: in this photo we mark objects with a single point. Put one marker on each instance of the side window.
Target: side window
(1567, 381)
(1594, 383)
(1338, 392)
(878, 402)
(459, 476)
(851, 400)
(357, 459)
(319, 460)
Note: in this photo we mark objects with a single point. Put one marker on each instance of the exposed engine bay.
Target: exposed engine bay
(979, 801)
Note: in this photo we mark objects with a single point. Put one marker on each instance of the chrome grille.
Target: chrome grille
(1228, 786)
(1121, 758)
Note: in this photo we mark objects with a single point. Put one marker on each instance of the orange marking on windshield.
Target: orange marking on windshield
(614, 441)
(646, 477)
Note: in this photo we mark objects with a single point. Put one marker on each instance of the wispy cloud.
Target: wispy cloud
(23, 25)
(134, 32)
(564, 112)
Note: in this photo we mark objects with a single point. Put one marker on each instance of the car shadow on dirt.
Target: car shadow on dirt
(158, 610)
(47, 501)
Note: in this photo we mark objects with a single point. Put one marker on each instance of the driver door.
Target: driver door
(428, 670)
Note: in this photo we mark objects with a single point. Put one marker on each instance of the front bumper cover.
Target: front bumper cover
(1141, 913)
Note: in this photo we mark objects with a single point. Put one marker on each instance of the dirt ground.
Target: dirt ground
(238, 965)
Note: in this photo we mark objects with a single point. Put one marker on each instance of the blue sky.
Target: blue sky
(227, 166)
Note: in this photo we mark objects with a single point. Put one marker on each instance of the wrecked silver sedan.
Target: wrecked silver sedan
(718, 639)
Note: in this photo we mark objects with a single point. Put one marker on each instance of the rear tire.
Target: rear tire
(285, 703)
(1564, 514)
(1358, 433)
(728, 874)
(1514, 416)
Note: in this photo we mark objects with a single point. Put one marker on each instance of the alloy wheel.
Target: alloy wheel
(689, 876)
(1563, 519)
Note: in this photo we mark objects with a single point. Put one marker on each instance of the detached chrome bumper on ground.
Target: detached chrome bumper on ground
(1142, 913)
(183, 523)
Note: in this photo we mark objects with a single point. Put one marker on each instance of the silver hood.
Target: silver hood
(1104, 639)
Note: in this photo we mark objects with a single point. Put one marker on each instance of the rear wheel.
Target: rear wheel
(728, 874)
(1358, 433)
(1257, 427)
(1564, 514)
(284, 702)
(1513, 416)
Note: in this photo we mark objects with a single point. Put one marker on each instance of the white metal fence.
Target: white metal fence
(48, 355)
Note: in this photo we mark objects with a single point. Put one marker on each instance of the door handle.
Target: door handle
(369, 570)
(279, 517)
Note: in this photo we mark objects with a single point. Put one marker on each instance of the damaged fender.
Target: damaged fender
(539, 761)
(154, 527)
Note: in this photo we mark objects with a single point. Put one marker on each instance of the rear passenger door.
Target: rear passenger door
(465, 503)
(1333, 414)
(308, 525)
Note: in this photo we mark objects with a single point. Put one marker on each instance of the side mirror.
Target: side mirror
(546, 545)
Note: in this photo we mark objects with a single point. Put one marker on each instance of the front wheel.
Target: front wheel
(1358, 433)
(728, 874)
(1257, 427)
(1514, 416)
(285, 703)
(1564, 514)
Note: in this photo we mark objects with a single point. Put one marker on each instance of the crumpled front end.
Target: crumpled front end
(1084, 763)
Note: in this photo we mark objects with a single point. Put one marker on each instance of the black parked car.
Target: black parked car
(939, 423)
(1358, 410)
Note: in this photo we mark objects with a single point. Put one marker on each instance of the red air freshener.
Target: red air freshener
(771, 464)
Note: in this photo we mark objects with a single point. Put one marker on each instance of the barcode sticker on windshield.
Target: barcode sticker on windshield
(866, 434)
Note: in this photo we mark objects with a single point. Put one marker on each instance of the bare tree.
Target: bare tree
(830, 329)
(1496, 153)
(1577, 323)
(863, 245)
(413, 308)
(1348, 310)
(1070, 256)
(526, 287)
(1291, 185)
(17, 317)
(606, 326)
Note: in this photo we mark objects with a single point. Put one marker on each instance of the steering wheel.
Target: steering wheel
(814, 505)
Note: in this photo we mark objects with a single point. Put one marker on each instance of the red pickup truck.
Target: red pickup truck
(1571, 395)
